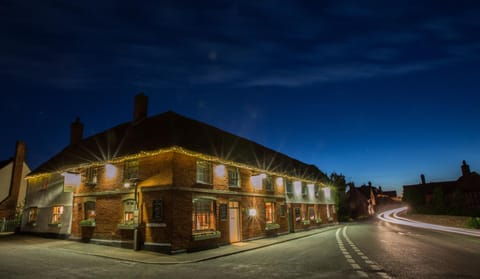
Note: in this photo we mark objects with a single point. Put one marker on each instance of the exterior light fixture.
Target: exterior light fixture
(252, 212)
(220, 170)
(279, 181)
(110, 171)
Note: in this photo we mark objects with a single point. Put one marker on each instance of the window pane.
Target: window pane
(204, 172)
(233, 177)
(90, 210)
(203, 217)
(269, 212)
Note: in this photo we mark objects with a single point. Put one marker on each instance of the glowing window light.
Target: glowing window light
(311, 190)
(327, 192)
(279, 181)
(220, 170)
(72, 179)
(110, 171)
(257, 181)
(297, 187)
(252, 212)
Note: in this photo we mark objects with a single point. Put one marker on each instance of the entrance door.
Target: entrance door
(234, 216)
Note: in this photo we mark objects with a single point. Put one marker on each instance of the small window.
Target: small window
(131, 170)
(90, 210)
(57, 212)
(233, 177)
(304, 189)
(282, 210)
(268, 183)
(129, 207)
(269, 212)
(157, 210)
(203, 215)
(32, 214)
(289, 186)
(91, 176)
(298, 216)
(204, 172)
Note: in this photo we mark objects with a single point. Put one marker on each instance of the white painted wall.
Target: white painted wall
(5, 180)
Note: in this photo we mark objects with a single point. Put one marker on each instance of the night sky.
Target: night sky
(379, 91)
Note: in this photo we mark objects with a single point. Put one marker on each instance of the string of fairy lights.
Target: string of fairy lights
(178, 150)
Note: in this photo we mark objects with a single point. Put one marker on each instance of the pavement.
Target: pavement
(148, 257)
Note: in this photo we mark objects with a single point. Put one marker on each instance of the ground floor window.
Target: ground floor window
(57, 212)
(203, 215)
(269, 212)
(32, 214)
(311, 213)
(90, 210)
(129, 211)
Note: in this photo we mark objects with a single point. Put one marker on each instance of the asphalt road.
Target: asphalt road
(366, 250)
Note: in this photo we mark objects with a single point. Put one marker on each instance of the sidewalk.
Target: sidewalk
(148, 257)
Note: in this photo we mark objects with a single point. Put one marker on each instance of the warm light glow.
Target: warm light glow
(256, 181)
(126, 184)
(327, 193)
(110, 171)
(263, 176)
(279, 181)
(220, 170)
(252, 212)
(297, 187)
(72, 179)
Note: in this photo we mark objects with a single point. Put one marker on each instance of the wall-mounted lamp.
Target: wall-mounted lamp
(252, 212)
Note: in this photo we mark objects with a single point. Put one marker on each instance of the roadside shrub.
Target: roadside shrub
(473, 222)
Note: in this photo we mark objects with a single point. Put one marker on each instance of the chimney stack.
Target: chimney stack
(422, 178)
(465, 168)
(140, 107)
(76, 132)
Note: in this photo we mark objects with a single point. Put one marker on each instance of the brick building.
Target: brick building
(170, 183)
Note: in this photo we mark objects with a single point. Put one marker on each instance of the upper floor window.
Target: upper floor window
(131, 169)
(57, 212)
(90, 210)
(204, 172)
(268, 183)
(91, 176)
(129, 207)
(233, 177)
(288, 186)
(304, 189)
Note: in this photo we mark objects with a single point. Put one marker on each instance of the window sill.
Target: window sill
(306, 222)
(127, 226)
(87, 223)
(55, 225)
(206, 235)
(273, 226)
(156, 225)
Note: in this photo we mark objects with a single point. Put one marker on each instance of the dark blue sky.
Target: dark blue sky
(378, 91)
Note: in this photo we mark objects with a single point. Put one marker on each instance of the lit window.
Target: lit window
(131, 170)
(233, 177)
(269, 212)
(91, 176)
(203, 217)
(57, 212)
(204, 172)
(90, 210)
(32, 214)
(129, 211)
(268, 183)
(289, 186)
(311, 213)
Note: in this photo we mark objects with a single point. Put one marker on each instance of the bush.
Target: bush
(473, 222)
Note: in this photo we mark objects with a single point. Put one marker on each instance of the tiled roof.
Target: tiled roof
(170, 129)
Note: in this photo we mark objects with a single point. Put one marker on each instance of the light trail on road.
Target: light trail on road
(391, 216)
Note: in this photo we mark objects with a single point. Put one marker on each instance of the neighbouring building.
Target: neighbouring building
(170, 183)
(458, 196)
(12, 182)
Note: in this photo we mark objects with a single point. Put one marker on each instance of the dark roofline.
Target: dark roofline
(5, 162)
(170, 129)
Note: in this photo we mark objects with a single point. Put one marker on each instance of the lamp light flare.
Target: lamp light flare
(220, 170)
(110, 171)
(252, 212)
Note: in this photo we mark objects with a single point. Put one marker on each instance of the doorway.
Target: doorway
(234, 223)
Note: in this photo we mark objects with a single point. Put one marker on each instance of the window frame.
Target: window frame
(268, 184)
(204, 172)
(289, 186)
(86, 210)
(32, 214)
(129, 208)
(91, 176)
(131, 169)
(270, 213)
(233, 175)
(203, 219)
(57, 212)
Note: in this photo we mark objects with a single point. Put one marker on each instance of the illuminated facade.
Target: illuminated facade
(169, 183)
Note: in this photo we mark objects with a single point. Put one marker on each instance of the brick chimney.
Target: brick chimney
(465, 168)
(422, 178)
(76, 131)
(140, 107)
